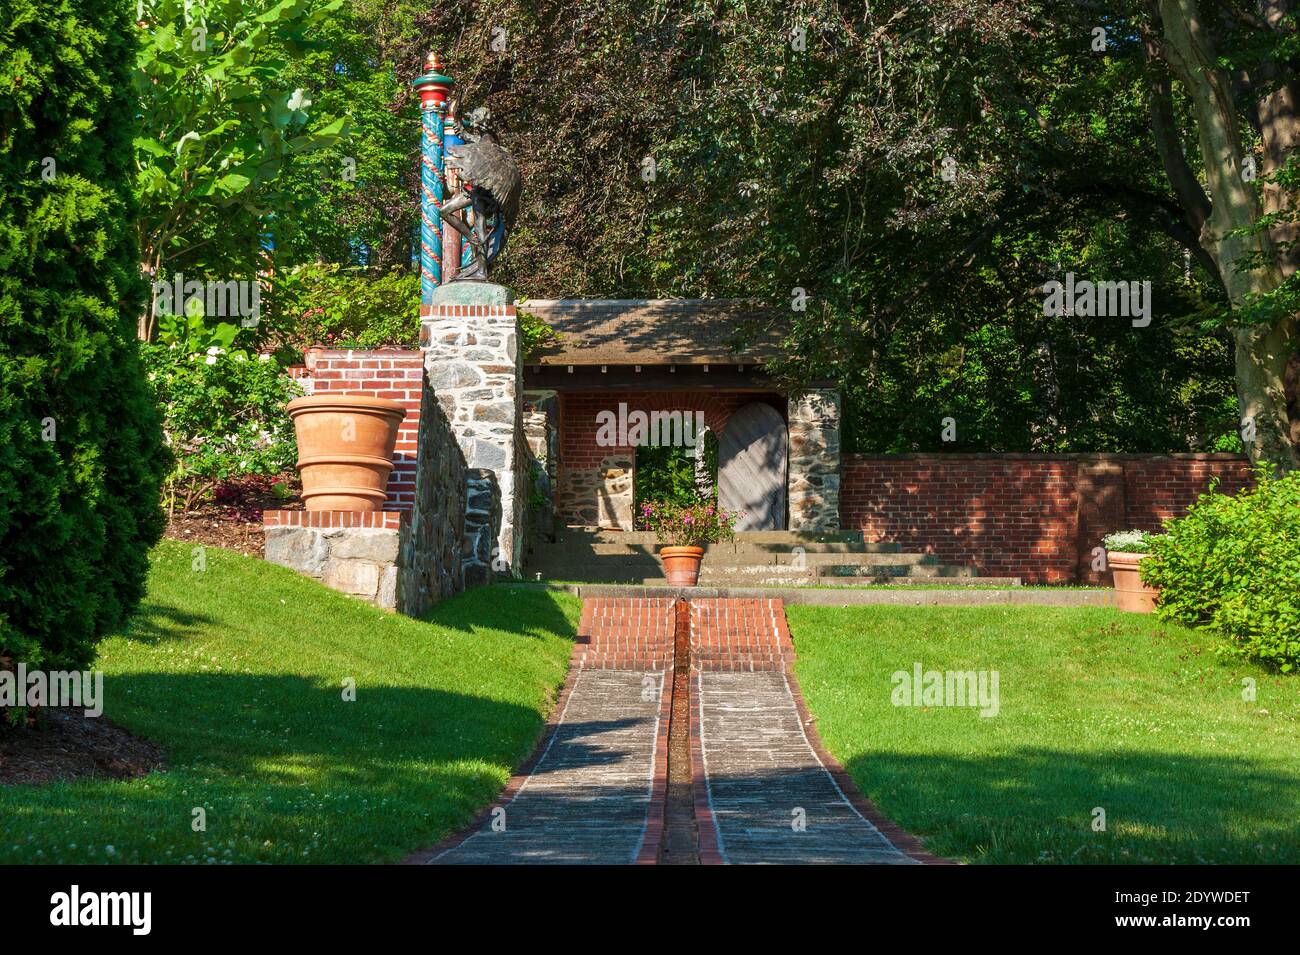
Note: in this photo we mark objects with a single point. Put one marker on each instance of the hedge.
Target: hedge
(81, 455)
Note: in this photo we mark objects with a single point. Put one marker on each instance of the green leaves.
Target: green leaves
(217, 125)
(1233, 565)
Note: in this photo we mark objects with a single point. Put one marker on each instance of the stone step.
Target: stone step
(570, 548)
(601, 535)
(622, 569)
(630, 553)
(724, 580)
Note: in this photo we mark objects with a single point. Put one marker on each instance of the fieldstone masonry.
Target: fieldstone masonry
(361, 561)
(470, 340)
(814, 468)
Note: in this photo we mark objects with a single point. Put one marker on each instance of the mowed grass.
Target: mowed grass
(1098, 710)
(238, 671)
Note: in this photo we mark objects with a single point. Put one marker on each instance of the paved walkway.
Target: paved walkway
(764, 790)
(595, 792)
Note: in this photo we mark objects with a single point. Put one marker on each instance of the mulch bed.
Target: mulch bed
(65, 744)
(234, 518)
(213, 528)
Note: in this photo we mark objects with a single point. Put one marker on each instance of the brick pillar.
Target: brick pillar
(470, 338)
(814, 469)
(1102, 508)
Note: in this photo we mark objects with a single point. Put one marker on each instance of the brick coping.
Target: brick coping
(1102, 456)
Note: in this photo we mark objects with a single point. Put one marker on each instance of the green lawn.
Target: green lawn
(1097, 709)
(238, 671)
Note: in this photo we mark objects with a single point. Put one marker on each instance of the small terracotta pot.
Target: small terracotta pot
(682, 564)
(345, 449)
(1130, 593)
(311, 355)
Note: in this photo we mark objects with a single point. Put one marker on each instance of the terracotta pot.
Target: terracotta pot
(311, 355)
(345, 449)
(1130, 593)
(682, 564)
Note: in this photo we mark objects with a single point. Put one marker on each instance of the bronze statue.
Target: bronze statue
(490, 187)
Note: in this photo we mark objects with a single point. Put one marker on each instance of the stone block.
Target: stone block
(377, 545)
(357, 577)
(303, 549)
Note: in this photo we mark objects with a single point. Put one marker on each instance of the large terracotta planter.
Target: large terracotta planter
(682, 564)
(1130, 593)
(345, 449)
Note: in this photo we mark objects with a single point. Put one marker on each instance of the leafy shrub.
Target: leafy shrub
(1128, 542)
(327, 304)
(1233, 565)
(692, 525)
(81, 454)
(224, 411)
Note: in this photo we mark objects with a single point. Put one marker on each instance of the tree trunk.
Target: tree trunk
(1262, 351)
(1278, 117)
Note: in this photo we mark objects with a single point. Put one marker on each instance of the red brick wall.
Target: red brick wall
(578, 410)
(1037, 517)
(398, 375)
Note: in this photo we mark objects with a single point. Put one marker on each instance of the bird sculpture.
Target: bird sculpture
(490, 188)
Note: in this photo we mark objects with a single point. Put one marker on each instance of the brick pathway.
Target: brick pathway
(595, 793)
(762, 787)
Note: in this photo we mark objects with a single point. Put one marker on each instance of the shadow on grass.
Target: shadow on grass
(155, 622)
(281, 764)
(503, 607)
(1037, 805)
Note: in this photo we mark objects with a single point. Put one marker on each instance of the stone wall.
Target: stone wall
(432, 556)
(813, 419)
(470, 340)
(355, 553)
(1034, 516)
(541, 435)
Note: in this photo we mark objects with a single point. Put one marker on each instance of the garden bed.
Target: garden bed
(64, 744)
(232, 518)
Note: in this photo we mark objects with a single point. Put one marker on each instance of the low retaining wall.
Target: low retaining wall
(414, 552)
(1034, 516)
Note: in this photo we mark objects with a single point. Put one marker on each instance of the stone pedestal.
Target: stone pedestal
(470, 338)
(814, 473)
(353, 552)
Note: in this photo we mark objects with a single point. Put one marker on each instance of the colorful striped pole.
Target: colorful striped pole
(433, 88)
